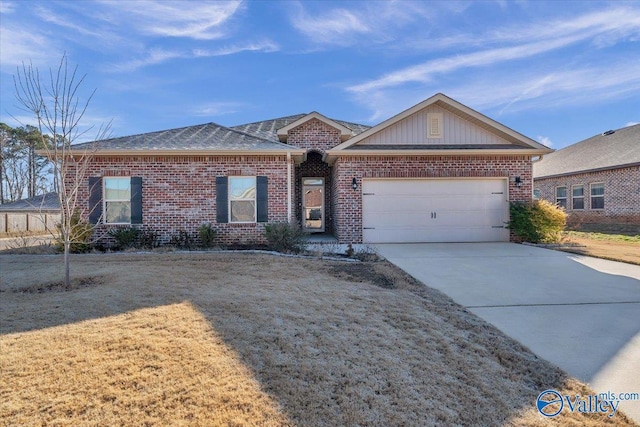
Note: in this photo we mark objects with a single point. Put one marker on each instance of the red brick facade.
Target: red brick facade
(314, 135)
(621, 196)
(347, 203)
(179, 192)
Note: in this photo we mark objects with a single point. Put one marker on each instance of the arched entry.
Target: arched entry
(313, 198)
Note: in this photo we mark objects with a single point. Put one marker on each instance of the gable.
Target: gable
(345, 132)
(459, 130)
(415, 130)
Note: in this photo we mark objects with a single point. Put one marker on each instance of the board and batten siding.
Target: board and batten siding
(413, 130)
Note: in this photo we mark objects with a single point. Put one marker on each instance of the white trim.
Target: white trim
(255, 199)
(104, 199)
(573, 208)
(289, 195)
(591, 196)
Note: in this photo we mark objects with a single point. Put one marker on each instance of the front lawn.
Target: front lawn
(255, 340)
(615, 247)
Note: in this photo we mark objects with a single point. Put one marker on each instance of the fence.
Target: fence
(33, 222)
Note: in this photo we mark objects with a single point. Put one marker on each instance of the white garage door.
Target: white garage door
(434, 210)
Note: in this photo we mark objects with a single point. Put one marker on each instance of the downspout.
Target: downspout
(289, 186)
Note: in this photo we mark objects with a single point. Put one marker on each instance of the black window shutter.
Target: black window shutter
(95, 199)
(136, 200)
(262, 198)
(222, 200)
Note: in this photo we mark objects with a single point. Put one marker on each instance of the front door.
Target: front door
(313, 205)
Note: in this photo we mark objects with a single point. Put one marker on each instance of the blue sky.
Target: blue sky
(558, 71)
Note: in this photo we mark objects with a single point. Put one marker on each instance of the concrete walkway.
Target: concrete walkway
(580, 313)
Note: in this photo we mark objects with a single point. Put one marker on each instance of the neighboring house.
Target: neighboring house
(596, 180)
(437, 172)
(36, 214)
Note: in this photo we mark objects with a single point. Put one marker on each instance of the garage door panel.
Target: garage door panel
(434, 210)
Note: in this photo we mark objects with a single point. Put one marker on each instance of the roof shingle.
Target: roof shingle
(599, 152)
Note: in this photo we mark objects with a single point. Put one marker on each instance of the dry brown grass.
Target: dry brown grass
(245, 339)
(615, 250)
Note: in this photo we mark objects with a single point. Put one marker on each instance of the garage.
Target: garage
(435, 210)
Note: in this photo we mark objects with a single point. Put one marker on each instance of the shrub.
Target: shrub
(125, 237)
(149, 239)
(537, 222)
(79, 236)
(207, 235)
(285, 237)
(181, 240)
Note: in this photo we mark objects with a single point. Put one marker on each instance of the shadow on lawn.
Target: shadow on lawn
(331, 348)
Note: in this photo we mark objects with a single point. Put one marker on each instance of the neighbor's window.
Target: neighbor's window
(597, 196)
(577, 197)
(242, 199)
(561, 196)
(117, 200)
(536, 194)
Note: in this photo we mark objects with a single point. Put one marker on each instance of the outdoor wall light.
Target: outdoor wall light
(354, 184)
(518, 181)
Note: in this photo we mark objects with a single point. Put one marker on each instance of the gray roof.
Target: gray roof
(210, 136)
(268, 128)
(605, 151)
(43, 202)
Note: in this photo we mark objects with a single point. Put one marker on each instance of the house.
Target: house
(39, 214)
(596, 180)
(437, 172)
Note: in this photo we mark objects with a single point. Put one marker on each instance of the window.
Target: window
(434, 125)
(117, 200)
(536, 194)
(597, 196)
(577, 197)
(561, 197)
(242, 199)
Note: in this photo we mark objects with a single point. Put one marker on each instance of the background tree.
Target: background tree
(59, 111)
(23, 173)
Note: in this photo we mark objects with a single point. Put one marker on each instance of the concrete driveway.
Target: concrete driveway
(580, 313)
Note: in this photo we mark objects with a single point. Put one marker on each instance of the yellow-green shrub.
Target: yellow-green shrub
(537, 222)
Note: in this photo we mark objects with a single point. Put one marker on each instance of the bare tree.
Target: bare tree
(59, 111)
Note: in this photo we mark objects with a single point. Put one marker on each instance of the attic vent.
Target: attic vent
(609, 132)
(434, 125)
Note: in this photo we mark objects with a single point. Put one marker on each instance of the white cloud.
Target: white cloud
(196, 20)
(336, 26)
(152, 57)
(158, 56)
(7, 7)
(261, 46)
(426, 72)
(631, 124)
(544, 140)
(219, 108)
(18, 45)
(500, 76)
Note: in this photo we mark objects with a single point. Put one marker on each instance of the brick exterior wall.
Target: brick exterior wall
(314, 135)
(621, 196)
(347, 203)
(179, 192)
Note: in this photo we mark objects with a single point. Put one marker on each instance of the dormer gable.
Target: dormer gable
(345, 132)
